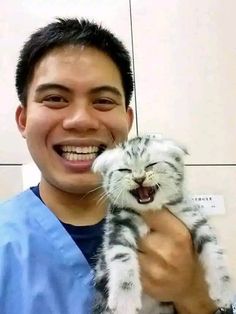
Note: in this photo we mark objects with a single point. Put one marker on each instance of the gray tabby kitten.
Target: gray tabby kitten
(148, 173)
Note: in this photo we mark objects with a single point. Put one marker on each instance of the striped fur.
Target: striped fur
(158, 163)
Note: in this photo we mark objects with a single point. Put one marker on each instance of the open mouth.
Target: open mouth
(145, 194)
(79, 153)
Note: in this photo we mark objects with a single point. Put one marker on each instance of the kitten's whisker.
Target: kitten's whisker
(116, 143)
(102, 198)
(93, 190)
(123, 198)
(119, 193)
(102, 195)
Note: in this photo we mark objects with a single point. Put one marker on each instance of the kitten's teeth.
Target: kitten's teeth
(145, 200)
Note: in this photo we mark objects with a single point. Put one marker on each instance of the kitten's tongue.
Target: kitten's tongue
(144, 194)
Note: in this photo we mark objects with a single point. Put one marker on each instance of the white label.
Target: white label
(210, 204)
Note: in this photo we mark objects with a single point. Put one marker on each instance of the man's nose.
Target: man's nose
(81, 118)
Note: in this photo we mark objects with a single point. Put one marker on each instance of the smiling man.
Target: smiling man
(74, 83)
(75, 109)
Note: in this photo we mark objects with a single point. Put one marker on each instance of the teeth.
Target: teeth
(79, 150)
(145, 200)
(72, 156)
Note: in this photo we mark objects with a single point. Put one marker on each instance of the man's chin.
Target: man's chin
(85, 186)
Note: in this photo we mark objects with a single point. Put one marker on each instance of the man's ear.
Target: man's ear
(20, 117)
(130, 117)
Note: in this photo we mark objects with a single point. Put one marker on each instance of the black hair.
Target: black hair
(71, 32)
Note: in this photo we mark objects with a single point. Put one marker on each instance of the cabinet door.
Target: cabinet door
(185, 70)
(18, 20)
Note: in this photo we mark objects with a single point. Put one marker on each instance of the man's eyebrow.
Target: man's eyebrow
(46, 86)
(94, 90)
(106, 88)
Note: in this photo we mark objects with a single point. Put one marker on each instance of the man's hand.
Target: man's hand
(170, 270)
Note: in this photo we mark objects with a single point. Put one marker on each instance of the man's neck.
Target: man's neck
(75, 209)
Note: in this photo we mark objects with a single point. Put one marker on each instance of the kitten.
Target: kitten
(148, 173)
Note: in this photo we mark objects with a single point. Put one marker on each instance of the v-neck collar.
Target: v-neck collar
(56, 233)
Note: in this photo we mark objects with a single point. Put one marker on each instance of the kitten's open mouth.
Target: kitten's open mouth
(144, 194)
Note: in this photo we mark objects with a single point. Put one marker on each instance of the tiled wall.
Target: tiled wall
(185, 72)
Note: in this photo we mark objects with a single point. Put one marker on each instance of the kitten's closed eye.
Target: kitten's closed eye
(124, 170)
(150, 165)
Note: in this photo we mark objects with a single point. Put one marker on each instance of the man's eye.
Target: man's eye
(55, 98)
(104, 104)
(105, 101)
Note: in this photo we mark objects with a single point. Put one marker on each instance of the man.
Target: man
(74, 83)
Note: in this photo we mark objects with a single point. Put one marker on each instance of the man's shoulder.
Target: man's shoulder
(14, 205)
(14, 214)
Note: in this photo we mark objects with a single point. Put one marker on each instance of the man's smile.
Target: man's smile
(72, 153)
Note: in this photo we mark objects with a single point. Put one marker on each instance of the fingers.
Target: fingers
(160, 279)
(152, 282)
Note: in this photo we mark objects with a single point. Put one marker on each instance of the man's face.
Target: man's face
(75, 105)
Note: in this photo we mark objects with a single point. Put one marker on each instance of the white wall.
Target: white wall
(185, 72)
(18, 20)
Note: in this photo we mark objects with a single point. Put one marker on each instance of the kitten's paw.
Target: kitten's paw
(223, 297)
(125, 303)
(225, 300)
(125, 309)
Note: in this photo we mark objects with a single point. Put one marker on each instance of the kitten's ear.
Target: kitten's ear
(104, 161)
(179, 150)
(182, 148)
(100, 163)
(159, 138)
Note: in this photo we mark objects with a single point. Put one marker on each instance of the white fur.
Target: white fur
(121, 301)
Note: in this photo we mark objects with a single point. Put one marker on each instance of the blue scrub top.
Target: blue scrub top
(87, 238)
(42, 270)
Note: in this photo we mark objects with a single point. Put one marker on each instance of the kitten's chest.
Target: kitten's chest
(125, 222)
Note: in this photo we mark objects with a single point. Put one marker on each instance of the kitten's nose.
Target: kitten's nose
(139, 180)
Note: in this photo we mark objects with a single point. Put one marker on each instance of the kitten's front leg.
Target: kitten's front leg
(214, 263)
(209, 252)
(124, 284)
